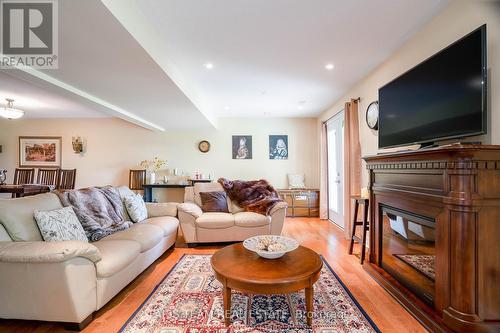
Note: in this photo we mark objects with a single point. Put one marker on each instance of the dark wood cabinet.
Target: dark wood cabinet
(455, 191)
(301, 203)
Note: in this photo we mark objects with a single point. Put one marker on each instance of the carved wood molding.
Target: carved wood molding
(423, 165)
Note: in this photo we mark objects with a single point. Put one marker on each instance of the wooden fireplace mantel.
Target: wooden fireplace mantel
(459, 187)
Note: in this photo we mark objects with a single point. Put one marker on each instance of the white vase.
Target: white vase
(152, 178)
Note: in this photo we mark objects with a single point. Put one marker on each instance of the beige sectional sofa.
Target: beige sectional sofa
(237, 225)
(68, 281)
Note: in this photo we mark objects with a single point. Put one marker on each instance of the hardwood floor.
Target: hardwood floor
(321, 236)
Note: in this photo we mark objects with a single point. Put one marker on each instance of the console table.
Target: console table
(442, 204)
(194, 181)
(148, 189)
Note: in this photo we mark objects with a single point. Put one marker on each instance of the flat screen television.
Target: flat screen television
(442, 98)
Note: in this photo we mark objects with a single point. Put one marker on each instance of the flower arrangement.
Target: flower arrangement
(153, 165)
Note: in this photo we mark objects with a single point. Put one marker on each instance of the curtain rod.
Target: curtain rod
(354, 99)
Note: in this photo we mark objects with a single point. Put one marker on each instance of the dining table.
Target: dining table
(24, 190)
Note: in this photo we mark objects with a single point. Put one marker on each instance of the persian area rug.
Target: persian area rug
(424, 263)
(189, 300)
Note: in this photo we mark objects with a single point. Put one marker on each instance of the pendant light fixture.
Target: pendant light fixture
(9, 112)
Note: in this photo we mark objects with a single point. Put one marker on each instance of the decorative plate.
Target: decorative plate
(279, 245)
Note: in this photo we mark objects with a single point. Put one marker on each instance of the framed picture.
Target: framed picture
(40, 151)
(278, 147)
(242, 147)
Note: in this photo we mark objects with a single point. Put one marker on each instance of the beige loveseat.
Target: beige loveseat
(67, 281)
(237, 225)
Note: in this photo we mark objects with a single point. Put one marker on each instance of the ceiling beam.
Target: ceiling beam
(109, 108)
(131, 18)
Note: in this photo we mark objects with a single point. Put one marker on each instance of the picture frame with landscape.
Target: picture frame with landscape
(40, 151)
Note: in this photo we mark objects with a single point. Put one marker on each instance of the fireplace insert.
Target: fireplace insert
(408, 250)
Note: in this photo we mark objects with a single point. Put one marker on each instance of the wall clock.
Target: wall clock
(204, 146)
(372, 115)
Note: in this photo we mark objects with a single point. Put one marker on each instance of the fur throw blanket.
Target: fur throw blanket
(254, 196)
(99, 210)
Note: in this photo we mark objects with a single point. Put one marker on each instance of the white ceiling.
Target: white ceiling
(39, 102)
(143, 60)
(268, 56)
(100, 60)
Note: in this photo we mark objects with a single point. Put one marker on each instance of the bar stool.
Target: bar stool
(358, 200)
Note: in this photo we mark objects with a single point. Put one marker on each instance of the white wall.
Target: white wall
(115, 146)
(457, 20)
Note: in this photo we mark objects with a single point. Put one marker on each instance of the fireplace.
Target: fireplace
(409, 251)
(434, 234)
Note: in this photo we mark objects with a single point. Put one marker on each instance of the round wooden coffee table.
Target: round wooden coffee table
(238, 268)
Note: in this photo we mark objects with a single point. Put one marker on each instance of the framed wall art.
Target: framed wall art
(278, 147)
(40, 151)
(242, 147)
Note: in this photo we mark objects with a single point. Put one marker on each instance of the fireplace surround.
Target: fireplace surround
(434, 234)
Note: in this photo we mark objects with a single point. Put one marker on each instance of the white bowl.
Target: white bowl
(251, 245)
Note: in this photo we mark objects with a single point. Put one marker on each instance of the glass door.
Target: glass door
(335, 142)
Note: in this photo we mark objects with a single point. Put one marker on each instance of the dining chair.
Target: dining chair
(23, 176)
(67, 179)
(136, 179)
(48, 177)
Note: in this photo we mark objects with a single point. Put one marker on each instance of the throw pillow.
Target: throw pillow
(60, 225)
(136, 207)
(296, 181)
(214, 201)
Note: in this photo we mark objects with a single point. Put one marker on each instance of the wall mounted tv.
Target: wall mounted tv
(442, 98)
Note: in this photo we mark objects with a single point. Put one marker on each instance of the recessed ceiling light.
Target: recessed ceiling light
(300, 104)
(208, 65)
(300, 107)
(329, 67)
(226, 108)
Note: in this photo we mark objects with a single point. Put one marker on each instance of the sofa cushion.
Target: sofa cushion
(215, 220)
(215, 201)
(156, 209)
(147, 235)
(16, 215)
(205, 187)
(115, 256)
(4, 236)
(136, 207)
(60, 225)
(168, 224)
(124, 192)
(234, 208)
(296, 181)
(250, 219)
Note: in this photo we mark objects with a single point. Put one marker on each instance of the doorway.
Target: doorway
(335, 146)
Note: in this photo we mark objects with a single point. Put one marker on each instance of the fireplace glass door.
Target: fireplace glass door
(408, 251)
